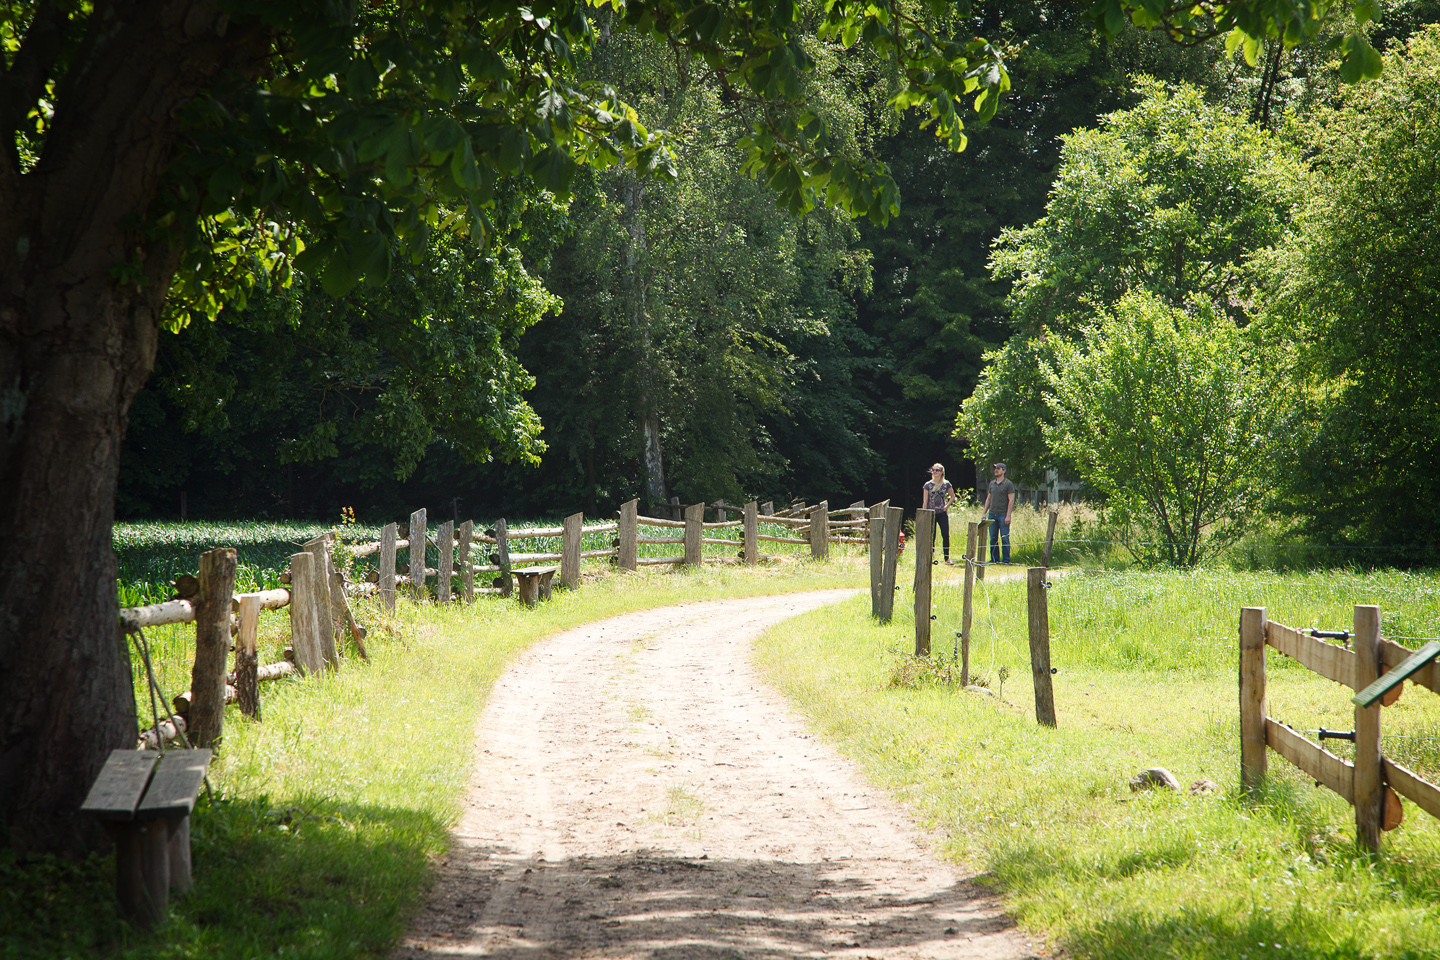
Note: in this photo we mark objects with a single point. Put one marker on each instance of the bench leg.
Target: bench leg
(529, 589)
(179, 855)
(545, 579)
(142, 869)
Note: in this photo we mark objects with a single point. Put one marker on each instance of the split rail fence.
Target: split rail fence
(1372, 666)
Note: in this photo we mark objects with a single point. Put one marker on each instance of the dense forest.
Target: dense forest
(687, 335)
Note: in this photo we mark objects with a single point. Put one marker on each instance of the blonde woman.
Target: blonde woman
(937, 495)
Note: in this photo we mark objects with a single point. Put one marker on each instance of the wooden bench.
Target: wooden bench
(144, 800)
(534, 583)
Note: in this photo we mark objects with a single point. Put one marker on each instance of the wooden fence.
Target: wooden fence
(1372, 666)
(511, 566)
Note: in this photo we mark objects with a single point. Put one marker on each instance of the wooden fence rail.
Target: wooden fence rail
(1373, 784)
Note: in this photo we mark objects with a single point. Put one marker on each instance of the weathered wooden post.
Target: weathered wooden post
(304, 628)
(387, 565)
(506, 582)
(319, 548)
(820, 531)
(752, 532)
(445, 568)
(247, 658)
(924, 567)
(629, 530)
(417, 555)
(570, 550)
(877, 557)
(1253, 760)
(212, 646)
(1040, 646)
(467, 570)
(694, 531)
(972, 536)
(1369, 776)
(894, 518)
(767, 509)
(980, 558)
(1049, 536)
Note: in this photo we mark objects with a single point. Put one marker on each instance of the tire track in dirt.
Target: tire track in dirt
(639, 792)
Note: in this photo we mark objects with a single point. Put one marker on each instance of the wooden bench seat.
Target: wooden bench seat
(144, 800)
(534, 583)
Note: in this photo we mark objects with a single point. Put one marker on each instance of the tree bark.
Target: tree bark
(77, 341)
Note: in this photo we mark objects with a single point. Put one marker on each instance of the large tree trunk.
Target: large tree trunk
(76, 344)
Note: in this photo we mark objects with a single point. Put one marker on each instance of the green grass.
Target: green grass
(1147, 677)
(327, 816)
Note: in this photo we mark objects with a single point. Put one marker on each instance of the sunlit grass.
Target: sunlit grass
(1146, 677)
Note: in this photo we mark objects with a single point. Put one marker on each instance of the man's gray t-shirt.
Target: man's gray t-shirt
(999, 496)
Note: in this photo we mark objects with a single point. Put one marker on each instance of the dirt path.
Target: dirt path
(640, 792)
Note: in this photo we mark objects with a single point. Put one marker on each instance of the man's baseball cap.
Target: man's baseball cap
(1000, 465)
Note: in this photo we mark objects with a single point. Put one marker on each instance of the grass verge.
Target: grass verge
(327, 817)
(1146, 678)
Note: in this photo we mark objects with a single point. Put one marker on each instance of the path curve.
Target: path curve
(639, 792)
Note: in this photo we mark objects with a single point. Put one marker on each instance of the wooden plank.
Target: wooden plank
(1328, 660)
(506, 582)
(600, 528)
(1049, 536)
(418, 523)
(387, 566)
(570, 551)
(1424, 793)
(175, 785)
(157, 614)
(319, 548)
(529, 533)
(1253, 759)
(659, 561)
(877, 558)
(1369, 797)
(445, 568)
(924, 555)
(1038, 605)
(694, 520)
(116, 792)
(980, 550)
(658, 522)
(629, 515)
(268, 599)
(751, 532)
(206, 718)
(1314, 761)
(1393, 654)
(466, 537)
(1397, 674)
(304, 631)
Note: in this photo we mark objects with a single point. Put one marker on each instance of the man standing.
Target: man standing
(999, 505)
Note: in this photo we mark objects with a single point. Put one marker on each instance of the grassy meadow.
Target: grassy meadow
(1146, 677)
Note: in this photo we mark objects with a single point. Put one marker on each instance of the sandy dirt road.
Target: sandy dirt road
(640, 793)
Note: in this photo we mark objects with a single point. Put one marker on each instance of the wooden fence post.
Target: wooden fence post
(570, 550)
(694, 530)
(877, 557)
(972, 536)
(467, 570)
(319, 548)
(417, 556)
(304, 629)
(212, 646)
(924, 559)
(980, 559)
(894, 518)
(247, 659)
(1049, 536)
(820, 531)
(387, 566)
(445, 568)
(1369, 776)
(1253, 760)
(1039, 608)
(505, 581)
(752, 532)
(629, 523)
(767, 509)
